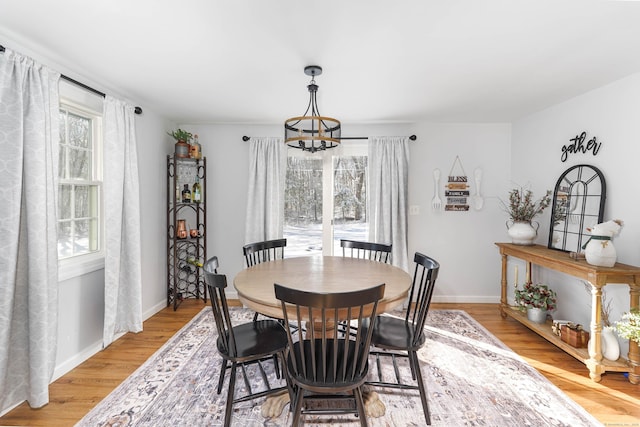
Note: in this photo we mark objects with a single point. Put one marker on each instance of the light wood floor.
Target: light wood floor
(613, 401)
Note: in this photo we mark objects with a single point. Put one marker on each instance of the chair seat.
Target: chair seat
(326, 380)
(255, 339)
(395, 334)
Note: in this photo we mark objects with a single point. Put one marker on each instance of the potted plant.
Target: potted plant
(537, 299)
(522, 208)
(628, 327)
(182, 138)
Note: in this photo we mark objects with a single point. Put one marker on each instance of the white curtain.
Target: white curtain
(265, 201)
(388, 189)
(122, 270)
(28, 222)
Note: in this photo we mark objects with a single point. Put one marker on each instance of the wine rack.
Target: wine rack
(186, 231)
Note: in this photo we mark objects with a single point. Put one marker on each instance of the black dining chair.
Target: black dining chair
(402, 338)
(326, 364)
(242, 345)
(366, 250)
(259, 252)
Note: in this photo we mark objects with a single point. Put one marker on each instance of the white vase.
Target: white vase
(537, 315)
(522, 232)
(609, 345)
(601, 253)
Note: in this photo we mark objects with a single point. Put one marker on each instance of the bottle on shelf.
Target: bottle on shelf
(195, 149)
(196, 192)
(186, 194)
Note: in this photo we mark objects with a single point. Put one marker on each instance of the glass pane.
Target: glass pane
(61, 162)
(79, 164)
(82, 237)
(79, 131)
(86, 201)
(64, 240)
(63, 127)
(64, 201)
(350, 219)
(303, 206)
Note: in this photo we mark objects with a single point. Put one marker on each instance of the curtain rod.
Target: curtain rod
(137, 110)
(412, 137)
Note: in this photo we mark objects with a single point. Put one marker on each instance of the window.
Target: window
(325, 200)
(80, 182)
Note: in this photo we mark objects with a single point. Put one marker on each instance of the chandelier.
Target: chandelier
(312, 132)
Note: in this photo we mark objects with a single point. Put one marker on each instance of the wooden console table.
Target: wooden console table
(598, 277)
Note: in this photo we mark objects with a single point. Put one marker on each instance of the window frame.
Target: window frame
(75, 102)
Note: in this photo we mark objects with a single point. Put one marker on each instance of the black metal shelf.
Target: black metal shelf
(185, 255)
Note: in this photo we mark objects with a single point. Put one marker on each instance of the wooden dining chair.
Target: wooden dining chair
(366, 250)
(242, 345)
(402, 338)
(326, 364)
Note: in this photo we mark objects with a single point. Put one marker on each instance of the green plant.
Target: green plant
(536, 296)
(522, 207)
(628, 326)
(181, 135)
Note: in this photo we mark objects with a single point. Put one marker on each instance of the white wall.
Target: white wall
(609, 113)
(461, 241)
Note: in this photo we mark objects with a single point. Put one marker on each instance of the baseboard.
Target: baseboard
(153, 310)
(467, 299)
(76, 360)
(94, 348)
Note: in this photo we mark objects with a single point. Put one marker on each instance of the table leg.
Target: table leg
(594, 363)
(634, 350)
(274, 404)
(503, 287)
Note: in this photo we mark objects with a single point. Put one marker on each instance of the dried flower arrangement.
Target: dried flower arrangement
(522, 206)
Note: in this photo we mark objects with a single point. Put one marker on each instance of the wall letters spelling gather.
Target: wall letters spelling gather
(577, 145)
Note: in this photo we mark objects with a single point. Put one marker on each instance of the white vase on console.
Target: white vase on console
(522, 232)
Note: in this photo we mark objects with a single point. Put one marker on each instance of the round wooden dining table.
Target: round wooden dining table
(323, 274)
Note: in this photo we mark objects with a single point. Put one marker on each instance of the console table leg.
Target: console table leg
(595, 345)
(503, 285)
(634, 350)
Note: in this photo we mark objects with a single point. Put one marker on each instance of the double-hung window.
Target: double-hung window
(80, 228)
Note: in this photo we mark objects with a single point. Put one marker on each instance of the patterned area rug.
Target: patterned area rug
(471, 377)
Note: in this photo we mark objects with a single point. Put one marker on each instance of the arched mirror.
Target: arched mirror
(578, 204)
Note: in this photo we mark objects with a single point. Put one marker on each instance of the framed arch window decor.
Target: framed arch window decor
(578, 204)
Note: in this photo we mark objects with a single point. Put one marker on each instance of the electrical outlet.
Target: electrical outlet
(414, 210)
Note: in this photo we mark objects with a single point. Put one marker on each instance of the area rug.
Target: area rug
(472, 380)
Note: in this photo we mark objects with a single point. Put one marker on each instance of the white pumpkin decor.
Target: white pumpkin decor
(599, 249)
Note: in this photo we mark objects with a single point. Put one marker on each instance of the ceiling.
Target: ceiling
(242, 61)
